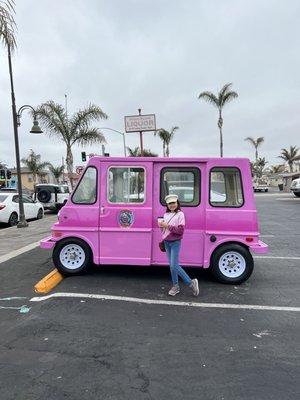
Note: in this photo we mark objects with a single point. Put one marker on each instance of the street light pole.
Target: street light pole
(122, 133)
(22, 222)
(16, 122)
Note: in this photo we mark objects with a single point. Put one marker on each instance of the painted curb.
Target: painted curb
(49, 282)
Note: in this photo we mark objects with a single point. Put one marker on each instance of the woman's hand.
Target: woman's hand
(162, 224)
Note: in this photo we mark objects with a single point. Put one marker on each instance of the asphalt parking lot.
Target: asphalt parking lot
(123, 348)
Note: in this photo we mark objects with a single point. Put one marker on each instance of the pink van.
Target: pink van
(111, 217)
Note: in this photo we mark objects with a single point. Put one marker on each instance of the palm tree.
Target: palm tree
(166, 137)
(224, 96)
(290, 156)
(136, 152)
(35, 166)
(57, 172)
(275, 169)
(260, 165)
(256, 143)
(76, 130)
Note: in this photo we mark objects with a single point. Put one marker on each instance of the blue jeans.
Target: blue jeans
(172, 250)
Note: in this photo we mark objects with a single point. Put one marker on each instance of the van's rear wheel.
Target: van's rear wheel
(72, 256)
(232, 263)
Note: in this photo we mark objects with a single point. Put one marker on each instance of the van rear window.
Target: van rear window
(226, 187)
(126, 185)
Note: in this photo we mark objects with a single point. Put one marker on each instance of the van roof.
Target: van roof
(171, 159)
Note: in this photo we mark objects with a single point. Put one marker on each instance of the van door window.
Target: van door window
(86, 191)
(183, 181)
(226, 187)
(126, 185)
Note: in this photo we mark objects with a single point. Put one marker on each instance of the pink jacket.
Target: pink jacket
(176, 224)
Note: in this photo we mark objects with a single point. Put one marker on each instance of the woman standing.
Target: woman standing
(173, 228)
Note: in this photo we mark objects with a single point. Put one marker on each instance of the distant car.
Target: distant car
(260, 185)
(9, 208)
(53, 197)
(295, 187)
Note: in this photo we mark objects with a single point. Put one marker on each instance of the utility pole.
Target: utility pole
(141, 137)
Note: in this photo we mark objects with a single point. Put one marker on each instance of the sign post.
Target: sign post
(140, 123)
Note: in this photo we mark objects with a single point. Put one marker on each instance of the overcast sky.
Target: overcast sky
(158, 55)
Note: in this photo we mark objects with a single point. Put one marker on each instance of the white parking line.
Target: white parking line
(266, 236)
(166, 302)
(277, 257)
(17, 252)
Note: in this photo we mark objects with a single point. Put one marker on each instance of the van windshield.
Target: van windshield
(86, 191)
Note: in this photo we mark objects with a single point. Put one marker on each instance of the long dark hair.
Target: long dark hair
(178, 208)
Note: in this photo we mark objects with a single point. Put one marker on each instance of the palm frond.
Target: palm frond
(225, 89)
(209, 97)
(227, 98)
(54, 120)
(7, 24)
(34, 164)
(56, 171)
(84, 117)
(260, 140)
(133, 152)
(88, 136)
(250, 140)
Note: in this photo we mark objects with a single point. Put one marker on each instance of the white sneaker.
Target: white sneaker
(195, 287)
(174, 290)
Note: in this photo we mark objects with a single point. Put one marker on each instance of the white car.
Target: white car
(260, 185)
(295, 187)
(9, 208)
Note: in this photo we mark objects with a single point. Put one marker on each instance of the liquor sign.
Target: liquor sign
(140, 123)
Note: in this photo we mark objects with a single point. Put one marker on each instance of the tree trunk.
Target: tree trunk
(256, 154)
(167, 150)
(220, 124)
(164, 148)
(69, 162)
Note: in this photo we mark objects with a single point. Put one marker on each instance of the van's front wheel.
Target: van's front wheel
(72, 256)
(232, 263)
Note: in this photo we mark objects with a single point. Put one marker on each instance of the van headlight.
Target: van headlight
(58, 214)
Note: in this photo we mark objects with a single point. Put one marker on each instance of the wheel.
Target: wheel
(13, 219)
(297, 194)
(72, 256)
(44, 196)
(266, 190)
(40, 214)
(232, 263)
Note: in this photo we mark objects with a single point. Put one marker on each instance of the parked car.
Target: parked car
(53, 197)
(295, 187)
(9, 208)
(260, 185)
(111, 217)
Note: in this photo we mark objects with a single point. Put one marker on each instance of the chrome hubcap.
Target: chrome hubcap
(232, 264)
(72, 256)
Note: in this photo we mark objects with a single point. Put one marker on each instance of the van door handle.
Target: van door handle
(102, 210)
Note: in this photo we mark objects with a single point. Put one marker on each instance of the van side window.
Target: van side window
(183, 181)
(126, 185)
(86, 191)
(226, 187)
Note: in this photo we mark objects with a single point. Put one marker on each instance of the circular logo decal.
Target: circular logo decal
(125, 218)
